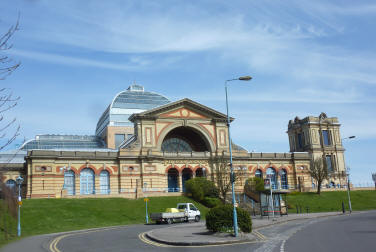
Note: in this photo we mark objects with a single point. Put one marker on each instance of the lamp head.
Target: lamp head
(351, 137)
(245, 78)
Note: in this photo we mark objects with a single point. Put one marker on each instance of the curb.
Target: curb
(153, 238)
(179, 243)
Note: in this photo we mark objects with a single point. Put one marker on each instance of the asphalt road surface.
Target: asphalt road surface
(356, 232)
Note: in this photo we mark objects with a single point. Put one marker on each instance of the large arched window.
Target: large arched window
(87, 181)
(258, 173)
(69, 182)
(270, 173)
(184, 139)
(284, 182)
(176, 145)
(104, 182)
(172, 180)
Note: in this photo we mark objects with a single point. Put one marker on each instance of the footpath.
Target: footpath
(196, 234)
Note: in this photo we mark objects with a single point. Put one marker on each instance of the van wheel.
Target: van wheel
(197, 218)
(169, 221)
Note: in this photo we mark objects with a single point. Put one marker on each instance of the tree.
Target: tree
(7, 64)
(7, 133)
(200, 188)
(223, 176)
(318, 171)
(7, 100)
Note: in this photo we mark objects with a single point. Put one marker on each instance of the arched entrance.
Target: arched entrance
(258, 173)
(284, 182)
(69, 182)
(12, 185)
(104, 182)
(186, 175)
(184, 139)
(271, 174)
(87, 181)
(201, 172)
(172, 180)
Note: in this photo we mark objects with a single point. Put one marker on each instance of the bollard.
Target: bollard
(307, 208)
(301, 209)
(297, 209)
(343, 208)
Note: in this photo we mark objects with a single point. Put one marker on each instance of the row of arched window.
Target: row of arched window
(87, 182)
(270, 172)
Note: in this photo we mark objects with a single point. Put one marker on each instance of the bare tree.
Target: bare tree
(8, 130)
(319, 172)
(7, 100)
(223, 176)
(7, 64)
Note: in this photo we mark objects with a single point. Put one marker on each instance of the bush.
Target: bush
(211, 202)
(220, 219)
(201, 187)
(254, 184)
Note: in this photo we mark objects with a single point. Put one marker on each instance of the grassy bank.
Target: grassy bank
(8, 225)
(42, 216)
(332, 201)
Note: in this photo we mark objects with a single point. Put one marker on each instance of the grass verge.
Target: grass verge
(331, 201)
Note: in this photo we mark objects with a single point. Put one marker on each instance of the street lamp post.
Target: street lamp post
(348, 188)
(19, 181)
(64, 169)
(146, 204)
(235, 217)
(348, 178)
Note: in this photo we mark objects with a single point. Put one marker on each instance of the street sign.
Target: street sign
(146, 199)
(20, 203)
(266, 183)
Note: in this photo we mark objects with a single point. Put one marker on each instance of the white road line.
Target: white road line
(282, 249)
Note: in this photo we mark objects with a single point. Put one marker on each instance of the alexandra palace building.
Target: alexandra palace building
(147, 145)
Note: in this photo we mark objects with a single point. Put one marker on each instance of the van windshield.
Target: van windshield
(182, 207)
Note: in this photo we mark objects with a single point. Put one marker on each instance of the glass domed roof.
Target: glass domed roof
(133, 100)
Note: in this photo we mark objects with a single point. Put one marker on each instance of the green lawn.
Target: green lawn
(42, 216)
(332, 201)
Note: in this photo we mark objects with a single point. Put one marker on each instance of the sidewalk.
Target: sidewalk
(196, 234)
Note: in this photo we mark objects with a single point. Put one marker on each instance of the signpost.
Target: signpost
(268, 185)
(19, 181)
(147, 216)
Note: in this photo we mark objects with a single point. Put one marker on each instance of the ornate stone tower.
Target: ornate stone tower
(320, 137)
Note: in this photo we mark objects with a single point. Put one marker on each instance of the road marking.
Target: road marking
(282, 249)
(259, 235)
(53, 244)
(146, 240)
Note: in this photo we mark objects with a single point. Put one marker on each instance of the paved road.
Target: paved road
(344, 233)
(356, 232)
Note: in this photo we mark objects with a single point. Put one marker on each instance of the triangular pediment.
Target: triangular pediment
(184, 108)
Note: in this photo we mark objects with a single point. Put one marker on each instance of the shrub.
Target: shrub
(255, 184)
(220, 219)
(211, 202)
(201, 187)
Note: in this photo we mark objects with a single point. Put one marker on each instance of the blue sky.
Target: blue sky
(306, 57)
